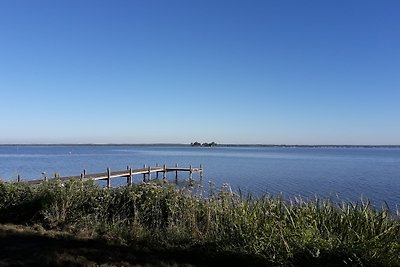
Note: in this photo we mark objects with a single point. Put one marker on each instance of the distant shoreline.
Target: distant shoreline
(218, 145)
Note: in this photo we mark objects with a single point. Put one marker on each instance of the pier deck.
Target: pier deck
(129, 173)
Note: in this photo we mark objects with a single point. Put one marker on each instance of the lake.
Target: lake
(350, 173)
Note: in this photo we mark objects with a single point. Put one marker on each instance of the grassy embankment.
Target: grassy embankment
(151, 224)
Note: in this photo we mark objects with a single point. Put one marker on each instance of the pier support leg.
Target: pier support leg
(149, 177)
(130, 178)
(165, 173)
(176, 173)
(127, 177)
(144, 174)
(190, 175)
(108, 178)
(156, 171)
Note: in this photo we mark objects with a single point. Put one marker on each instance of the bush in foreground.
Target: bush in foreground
(282, 232)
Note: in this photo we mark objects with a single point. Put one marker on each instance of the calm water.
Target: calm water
(351, 173)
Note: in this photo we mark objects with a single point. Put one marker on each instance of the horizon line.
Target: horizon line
(189, 144)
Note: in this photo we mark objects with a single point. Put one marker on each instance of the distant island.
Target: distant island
(203, 144)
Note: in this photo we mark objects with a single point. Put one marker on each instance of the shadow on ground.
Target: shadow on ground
(25, 246)
(19, 248)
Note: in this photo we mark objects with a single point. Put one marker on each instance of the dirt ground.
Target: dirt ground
(27, 246)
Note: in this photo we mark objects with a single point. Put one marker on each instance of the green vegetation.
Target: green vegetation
(267, 231)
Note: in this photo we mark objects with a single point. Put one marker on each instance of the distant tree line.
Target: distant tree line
(203, 144)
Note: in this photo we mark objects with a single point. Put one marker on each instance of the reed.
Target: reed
(283, 232)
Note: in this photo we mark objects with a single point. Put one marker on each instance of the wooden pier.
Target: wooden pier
(145, 174)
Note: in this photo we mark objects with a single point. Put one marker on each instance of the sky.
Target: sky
(178, 71)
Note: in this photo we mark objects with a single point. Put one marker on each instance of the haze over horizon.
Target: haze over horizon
(240, 72)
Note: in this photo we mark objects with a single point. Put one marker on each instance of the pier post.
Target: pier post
(130, 177)
(176, 173)
(84, 173)
(165, 173)
(127, 177)
(108, 178)
(144, 174)
(190, 175)
(149, 178)
(201, 172)
(157, 171)
(19, 178)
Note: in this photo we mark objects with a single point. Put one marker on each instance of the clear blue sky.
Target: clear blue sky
(271, 72)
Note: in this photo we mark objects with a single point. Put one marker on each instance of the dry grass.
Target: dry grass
(175, 227)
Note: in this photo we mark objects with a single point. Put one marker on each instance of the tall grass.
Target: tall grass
(283, 232)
